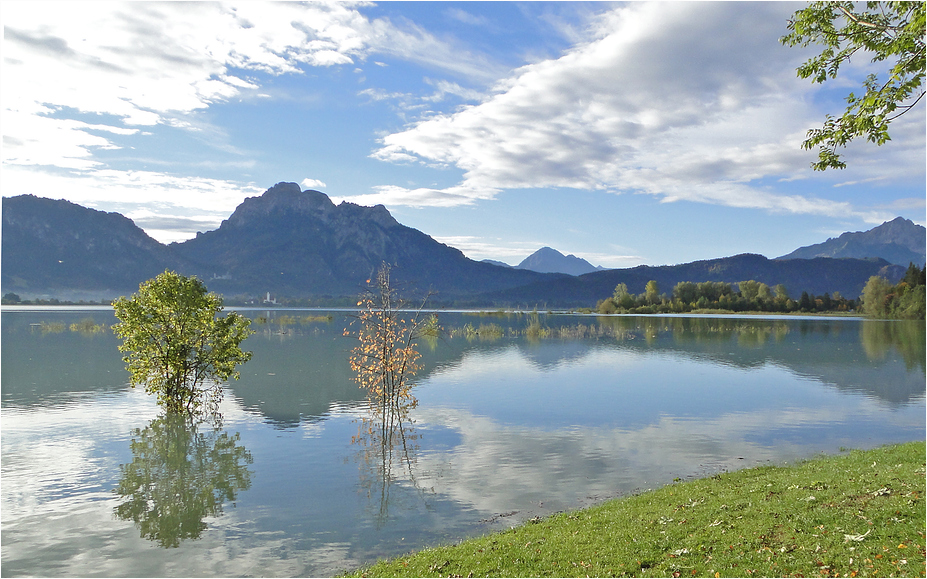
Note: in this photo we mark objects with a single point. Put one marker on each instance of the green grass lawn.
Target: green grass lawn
(860, 514)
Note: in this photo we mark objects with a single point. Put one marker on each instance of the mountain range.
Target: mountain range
(286, 242)
(816, 276)
(899, 241)
(298, 245)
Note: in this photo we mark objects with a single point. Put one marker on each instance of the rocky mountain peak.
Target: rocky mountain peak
(288, 200)
(282, 198)
(899, 230)
(378, 214)
(549, 260)
(899, 241)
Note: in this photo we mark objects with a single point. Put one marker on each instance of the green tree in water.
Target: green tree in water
(174, 343)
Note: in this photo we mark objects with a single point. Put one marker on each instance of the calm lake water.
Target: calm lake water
(96, 482)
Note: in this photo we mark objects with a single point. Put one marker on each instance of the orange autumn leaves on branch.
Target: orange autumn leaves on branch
(386, 357)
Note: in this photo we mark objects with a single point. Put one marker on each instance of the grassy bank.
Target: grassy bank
(860, 514)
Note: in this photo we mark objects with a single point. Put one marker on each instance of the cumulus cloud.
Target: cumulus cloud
(308, 183)
(128, 66)
(78, 81)
(146, 63)
(687, 101)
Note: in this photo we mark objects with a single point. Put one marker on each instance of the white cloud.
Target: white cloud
(377, 94)
(76, 78)
(687, 101)
(444, 88)
(467, 18)
(464, 194)
(308, 183)
(479, 248)
(147, 63)
(30, 138)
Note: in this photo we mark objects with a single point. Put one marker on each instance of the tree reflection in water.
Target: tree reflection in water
(179, 475)
(880, 336)
(388, 455)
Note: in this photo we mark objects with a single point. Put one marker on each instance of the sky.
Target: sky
(624, 133)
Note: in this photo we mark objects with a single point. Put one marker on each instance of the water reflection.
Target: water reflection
(388, 447)
(181, 472)
(505, 424)
(853, 356)
(879, 338)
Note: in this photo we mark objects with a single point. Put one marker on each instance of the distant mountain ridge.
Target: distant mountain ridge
(816, 276)
(299, 245)
(899, 241)
(286, 242)
(60, 246)
(549, 260)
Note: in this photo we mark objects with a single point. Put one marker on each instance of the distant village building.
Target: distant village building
(270, 300)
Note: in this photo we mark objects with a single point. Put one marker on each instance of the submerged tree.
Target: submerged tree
(384, 362)
(386, 358)
(175, 344)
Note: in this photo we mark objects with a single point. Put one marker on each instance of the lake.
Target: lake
(510, 425)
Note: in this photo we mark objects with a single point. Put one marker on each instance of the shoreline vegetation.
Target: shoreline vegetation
(493, 326)
(880, 299)
(857, 514)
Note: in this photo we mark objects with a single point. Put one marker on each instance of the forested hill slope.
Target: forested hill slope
(899, 241)
(817, 276)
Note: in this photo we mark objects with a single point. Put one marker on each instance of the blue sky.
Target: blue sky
(624, 133)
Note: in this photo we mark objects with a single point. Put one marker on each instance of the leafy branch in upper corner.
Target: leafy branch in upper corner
(891, 32)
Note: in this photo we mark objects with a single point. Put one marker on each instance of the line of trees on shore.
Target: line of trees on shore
(12, 299)
(743, 296)
(880, 299)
